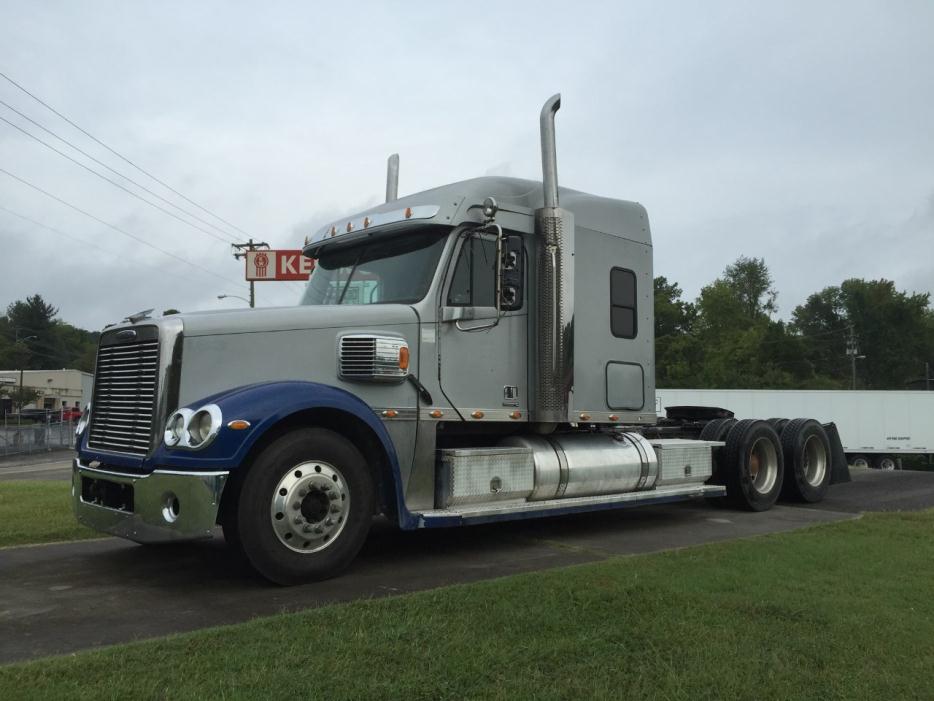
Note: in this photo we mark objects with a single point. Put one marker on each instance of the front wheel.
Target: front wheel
(305, 507)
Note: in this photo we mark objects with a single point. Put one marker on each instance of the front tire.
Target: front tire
(305, 507)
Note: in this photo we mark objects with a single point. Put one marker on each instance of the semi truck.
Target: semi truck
(877, 428)
(478, 352)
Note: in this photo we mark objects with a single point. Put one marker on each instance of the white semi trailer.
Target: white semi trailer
(877, 428)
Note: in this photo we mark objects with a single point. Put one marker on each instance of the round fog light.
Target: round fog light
(171, 508)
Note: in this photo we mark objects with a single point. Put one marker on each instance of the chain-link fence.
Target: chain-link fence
(21, 435)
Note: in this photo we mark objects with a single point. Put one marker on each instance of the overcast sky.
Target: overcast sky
(799, 132)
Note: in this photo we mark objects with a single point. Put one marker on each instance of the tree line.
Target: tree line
(730, 338)
(32, 337)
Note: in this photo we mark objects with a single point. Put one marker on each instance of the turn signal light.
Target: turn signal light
(585, 417)
(404, 358)
(238, 425)
(390, 413)
(516, 415)
(614, 417)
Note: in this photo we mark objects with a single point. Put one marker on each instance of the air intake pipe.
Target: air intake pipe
(553, 330)
(392, 178)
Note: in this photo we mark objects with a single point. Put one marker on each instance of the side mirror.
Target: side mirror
(511, 273)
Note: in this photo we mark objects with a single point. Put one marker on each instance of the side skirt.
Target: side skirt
(473, 514)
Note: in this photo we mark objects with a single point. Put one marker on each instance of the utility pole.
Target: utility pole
(927, 376)
(852, 350)
(242, 250)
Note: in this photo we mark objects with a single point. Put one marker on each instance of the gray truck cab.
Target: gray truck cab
(476, 352)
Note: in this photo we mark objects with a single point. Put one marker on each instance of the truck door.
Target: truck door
(482, 354)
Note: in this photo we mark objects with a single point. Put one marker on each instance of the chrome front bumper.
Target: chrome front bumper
(163, 506)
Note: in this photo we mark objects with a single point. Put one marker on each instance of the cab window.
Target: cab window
(474, 282)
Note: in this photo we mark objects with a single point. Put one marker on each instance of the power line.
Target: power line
(83, 241)
(112, 170)
(112, 182)
(114, 227)
(119, 155)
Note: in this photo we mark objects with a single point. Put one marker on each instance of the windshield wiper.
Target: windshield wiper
(350, 277)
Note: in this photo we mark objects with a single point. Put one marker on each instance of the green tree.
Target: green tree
(894, 331)
(676, 351)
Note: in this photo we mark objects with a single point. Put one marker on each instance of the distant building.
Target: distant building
(58, 389)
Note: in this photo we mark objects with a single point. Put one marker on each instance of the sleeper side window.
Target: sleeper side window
(474, 282)
(623, 303)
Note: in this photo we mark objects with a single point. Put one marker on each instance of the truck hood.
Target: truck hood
(267, 319)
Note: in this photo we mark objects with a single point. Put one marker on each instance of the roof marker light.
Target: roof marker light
(408, 212)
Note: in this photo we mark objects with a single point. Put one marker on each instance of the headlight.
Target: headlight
(175, 427)
(193, 429)
(200, 427)
(83, 421)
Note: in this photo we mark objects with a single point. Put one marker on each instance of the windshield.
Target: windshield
(390, 270)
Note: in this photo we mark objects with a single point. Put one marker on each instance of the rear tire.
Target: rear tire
(860, 461)
(716, 430)
(778, 425)
(884, 462)
(305, 507)
(753, 465)
(806, 450)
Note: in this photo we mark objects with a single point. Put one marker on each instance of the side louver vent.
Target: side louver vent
(373, 358)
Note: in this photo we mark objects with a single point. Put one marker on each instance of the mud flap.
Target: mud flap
(839, 468)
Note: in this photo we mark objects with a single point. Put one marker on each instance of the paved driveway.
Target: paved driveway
(56, 599)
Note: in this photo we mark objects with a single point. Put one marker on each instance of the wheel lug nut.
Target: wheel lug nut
(298, 520)
(319, 529)
(297, 505)
(335, 508)
(325, 487)
(306, 529)
(329, 522)
(332, 496)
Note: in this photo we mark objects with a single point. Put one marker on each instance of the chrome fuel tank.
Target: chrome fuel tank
(588, 464)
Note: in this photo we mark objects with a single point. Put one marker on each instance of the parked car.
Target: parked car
(71, 414)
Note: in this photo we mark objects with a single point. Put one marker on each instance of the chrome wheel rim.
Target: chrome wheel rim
(763, 465)
(887, 464)
(861, 462)
(815, 461)
(309, 506)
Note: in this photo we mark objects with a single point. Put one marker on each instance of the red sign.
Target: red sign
(278, 265)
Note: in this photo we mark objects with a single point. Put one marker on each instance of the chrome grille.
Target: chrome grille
(124, 401)
(366, 357)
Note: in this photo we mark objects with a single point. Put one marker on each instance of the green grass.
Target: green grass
(38, 511)
(843, 611)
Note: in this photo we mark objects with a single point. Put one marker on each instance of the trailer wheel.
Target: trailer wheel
(305, 507)
(884, 462)
(753, 465)
(778, 425)
(859, 461)
(806, 450)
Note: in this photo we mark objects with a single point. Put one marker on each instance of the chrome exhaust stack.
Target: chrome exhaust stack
(392, 178)
(553, 330)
